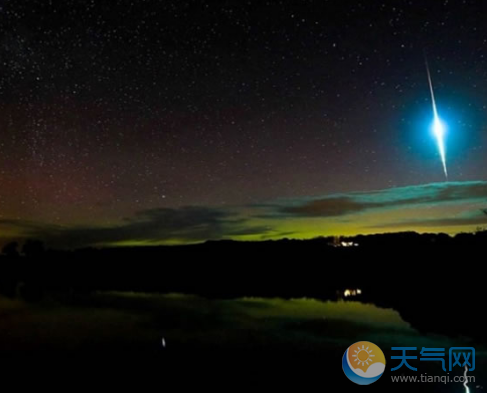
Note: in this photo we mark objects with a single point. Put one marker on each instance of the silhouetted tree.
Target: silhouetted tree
(11, 250)
(33, 248)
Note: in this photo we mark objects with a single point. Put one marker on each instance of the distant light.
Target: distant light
(352, 292)
(348, 244)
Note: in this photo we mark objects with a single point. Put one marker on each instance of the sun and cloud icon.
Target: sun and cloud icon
(363, 363)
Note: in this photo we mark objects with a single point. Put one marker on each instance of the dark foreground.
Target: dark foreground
(275, 341)
(83, 312)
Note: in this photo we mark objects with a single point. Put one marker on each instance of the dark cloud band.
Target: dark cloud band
(403, 197)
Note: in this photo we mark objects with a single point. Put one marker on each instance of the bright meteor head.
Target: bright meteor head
(439, 129)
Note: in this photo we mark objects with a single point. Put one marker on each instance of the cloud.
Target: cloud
(189, 224)
(326, 207)
(473, 220)
(402, 197)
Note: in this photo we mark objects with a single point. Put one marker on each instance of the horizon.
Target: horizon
(445, 207)
(21, 241)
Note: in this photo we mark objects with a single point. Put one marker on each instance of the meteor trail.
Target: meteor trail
(438, 125)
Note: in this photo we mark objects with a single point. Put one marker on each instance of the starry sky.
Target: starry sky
(151, 122)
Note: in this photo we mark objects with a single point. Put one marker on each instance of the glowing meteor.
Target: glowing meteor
(439, 129)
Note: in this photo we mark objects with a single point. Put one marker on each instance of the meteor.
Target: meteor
(439, 129)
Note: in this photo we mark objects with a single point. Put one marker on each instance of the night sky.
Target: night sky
(150, 122)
